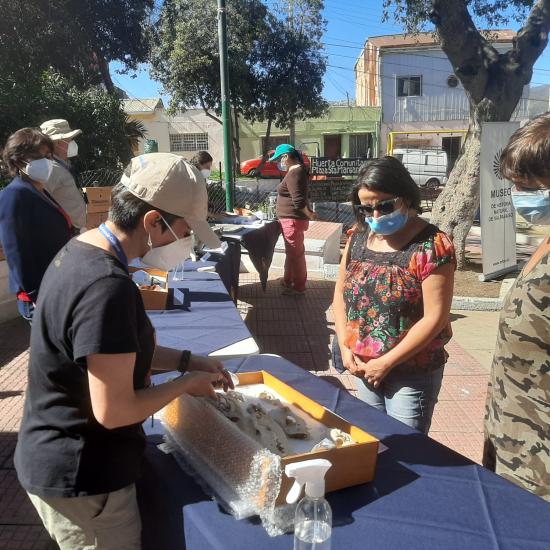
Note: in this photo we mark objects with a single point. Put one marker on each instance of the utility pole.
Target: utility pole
(292, 126)
(226, 109)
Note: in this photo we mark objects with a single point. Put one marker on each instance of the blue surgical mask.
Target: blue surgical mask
(281, 167)
(534, 206)
(388, 224)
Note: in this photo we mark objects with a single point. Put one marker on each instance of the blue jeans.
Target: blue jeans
(26, 310)
(407, 396)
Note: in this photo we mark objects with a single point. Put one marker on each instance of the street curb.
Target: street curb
(468, 303)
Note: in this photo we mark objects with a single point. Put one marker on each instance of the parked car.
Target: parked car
(428, 167)
(270, 169)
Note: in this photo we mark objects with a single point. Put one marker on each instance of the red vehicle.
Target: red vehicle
(270, 169)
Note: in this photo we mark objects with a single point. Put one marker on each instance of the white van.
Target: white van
(428, 167)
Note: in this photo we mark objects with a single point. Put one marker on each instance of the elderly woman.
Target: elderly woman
(33, 226)
(92, 352)
(393, 296)
(517, 421)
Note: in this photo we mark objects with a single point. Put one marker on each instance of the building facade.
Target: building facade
(183, 134)
(423, 103)
(345, 131)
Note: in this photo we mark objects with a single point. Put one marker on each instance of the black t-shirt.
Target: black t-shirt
(87, 305)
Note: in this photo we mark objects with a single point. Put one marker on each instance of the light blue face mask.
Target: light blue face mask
(281, 167)
(388, 224)
(533, 206)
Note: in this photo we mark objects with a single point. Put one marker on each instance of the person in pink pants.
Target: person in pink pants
(294, 215)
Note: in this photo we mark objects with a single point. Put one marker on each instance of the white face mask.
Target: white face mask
(72, 149)
(168, 256)
(39, 169)
(206, 173)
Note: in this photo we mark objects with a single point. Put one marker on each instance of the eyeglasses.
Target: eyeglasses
(384, 207)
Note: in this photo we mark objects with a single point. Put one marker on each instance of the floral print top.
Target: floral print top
(383, 295)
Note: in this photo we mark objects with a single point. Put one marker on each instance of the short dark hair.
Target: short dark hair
(127, 210)
(385, 175)
(527, 154)
(202, 157)
(22, 144)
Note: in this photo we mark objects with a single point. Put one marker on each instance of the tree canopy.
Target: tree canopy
(74, 38)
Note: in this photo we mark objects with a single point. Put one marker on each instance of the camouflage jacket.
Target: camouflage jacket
(517, 419)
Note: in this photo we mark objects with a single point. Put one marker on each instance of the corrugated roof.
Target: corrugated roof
(147, 105)
(429, 39)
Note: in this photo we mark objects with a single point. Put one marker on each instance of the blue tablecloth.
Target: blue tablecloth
(424, 495)
(211, 323)
(227, 266)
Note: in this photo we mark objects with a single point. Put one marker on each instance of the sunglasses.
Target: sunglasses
(384, 207)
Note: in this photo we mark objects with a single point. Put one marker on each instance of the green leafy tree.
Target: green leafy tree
(75, 38)
(106, 138)
(275, 73)
(493, 81)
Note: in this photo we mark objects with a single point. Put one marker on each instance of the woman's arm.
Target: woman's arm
(168, 359)
(437, 291)
(115, 402)
(340, 316)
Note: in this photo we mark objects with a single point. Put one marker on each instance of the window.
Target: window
(188, 142)
(360, 146)
(409, 86)
(274, 141)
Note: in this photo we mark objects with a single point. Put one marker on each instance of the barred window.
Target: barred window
(188, 142)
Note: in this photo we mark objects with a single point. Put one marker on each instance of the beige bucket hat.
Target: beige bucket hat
(172, 184)
(58, 128)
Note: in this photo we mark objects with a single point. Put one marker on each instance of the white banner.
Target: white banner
(497, 217)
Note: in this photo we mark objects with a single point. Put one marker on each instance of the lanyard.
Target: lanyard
(115, 243)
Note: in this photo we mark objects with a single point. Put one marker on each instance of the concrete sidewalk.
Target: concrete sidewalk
(298, 328)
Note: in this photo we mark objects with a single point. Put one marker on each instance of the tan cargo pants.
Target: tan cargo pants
(109, 521)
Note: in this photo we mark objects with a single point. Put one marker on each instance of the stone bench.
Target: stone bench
(322, 244)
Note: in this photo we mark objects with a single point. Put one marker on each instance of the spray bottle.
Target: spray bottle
(313, 519)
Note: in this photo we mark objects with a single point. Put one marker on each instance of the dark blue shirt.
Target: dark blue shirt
(32, 231)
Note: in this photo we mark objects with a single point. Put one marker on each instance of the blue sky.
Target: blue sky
(350, 23)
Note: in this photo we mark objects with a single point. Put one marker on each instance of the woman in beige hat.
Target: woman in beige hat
(62, 183)
(92, 353)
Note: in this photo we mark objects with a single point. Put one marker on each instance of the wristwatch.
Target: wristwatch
(184, 361)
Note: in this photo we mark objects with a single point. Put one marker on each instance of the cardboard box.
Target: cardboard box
(95, 219)
(98, 199)
(154, 299)
(351, 464)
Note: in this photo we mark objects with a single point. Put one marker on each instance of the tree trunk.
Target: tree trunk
(292, 132)
(105, 74)
(265, 149)
(454, 210)
(236, 138)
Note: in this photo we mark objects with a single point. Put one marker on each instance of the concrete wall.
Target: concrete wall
(8, 307)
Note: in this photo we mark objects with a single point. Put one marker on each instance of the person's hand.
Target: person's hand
(350, 362)
(208, 364)
(374, 370)
(201, 384)
(312, 215)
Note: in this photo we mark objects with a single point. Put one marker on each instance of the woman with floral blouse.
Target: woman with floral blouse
(393, 296)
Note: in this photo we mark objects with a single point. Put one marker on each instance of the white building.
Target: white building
(183, 134)
(412, 80)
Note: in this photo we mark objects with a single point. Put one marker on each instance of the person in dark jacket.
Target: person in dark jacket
(294, 213)
(33, 227)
